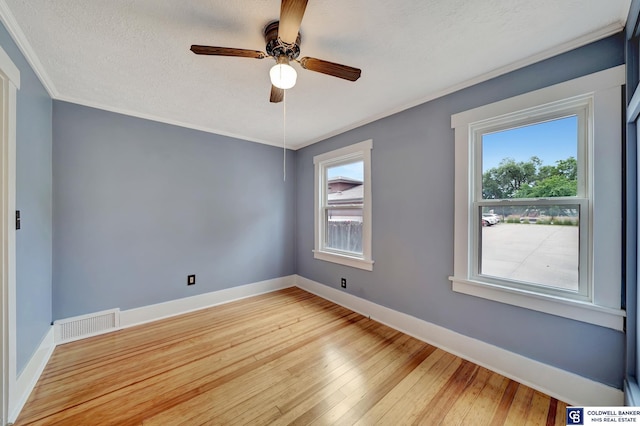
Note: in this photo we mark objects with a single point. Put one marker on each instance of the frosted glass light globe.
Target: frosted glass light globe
(283, 76)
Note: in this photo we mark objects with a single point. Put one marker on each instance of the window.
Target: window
(538, 204)
(532, 175)
(343, 206)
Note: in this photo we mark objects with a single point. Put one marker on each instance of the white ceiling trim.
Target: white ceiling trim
(164, 120)
(565, 47)
(8, 19)
(562, 48)
(20, 39)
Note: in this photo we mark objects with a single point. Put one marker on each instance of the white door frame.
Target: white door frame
(9, 84)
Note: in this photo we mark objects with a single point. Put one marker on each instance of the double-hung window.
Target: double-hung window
(531, 173)
(538, 200)
(343, 206)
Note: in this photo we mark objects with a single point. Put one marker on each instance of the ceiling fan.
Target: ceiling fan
(283, 44)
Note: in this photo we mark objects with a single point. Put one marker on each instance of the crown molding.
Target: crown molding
(178, 123)
(18, 36)
(549, 53)
(9, 21)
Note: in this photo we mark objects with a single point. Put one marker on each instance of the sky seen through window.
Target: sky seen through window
(550, 141)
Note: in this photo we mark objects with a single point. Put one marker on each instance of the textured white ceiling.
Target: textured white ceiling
(132, 56)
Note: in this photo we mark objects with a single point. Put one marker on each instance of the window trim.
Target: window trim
(358, 151)
(602, 307)
(582, 108)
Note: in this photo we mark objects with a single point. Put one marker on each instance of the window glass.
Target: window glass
(533, 244)
(533, 161)
(342, 204)
(344, 208)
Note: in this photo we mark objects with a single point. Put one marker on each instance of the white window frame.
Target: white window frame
(598, 95)
(580, 106)
(357, 152)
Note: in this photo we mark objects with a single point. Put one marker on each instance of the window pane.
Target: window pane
(344, 230)
(533, 161)
(343, 179)
(344, 225)
(536, 244)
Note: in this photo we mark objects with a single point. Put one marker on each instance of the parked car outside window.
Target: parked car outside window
(491, 218)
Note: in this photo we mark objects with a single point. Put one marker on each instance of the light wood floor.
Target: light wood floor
(287, 357)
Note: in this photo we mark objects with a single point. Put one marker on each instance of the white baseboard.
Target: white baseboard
(553, 381)
(158, 311)
(27, 380)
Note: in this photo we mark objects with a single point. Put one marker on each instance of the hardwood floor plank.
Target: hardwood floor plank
(460, 408)
(100, 358)
(225, 417)
(305, 352)
(561, 413)
(105, 347)
(520, 406)
(234, 357)
(539, 410)
(551, 414)
(482, 410)
(439, 405)
(502, 411)
(400, 391)
(286, 357)
(184, 382)
(373, 397)
(311, 382)
(410, 406)
(319, 409)
(363, 391)
(297, 406)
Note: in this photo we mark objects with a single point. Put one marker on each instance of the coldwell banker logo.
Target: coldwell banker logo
(575, 416)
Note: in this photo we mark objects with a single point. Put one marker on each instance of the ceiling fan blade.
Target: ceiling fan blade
(291, 13)
(277, 95)
(227, 51)
(331, 68)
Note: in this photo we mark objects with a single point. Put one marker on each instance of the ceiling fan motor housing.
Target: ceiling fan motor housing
(276, 47)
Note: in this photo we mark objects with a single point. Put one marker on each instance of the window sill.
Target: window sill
(576, 310)
(354, 262)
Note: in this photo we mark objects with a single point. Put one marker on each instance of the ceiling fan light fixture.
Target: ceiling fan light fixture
(283, 75)
(283, 39)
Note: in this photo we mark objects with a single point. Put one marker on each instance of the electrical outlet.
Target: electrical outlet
(191, 280)
(343, 282)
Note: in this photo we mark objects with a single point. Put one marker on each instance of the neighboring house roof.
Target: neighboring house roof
(349, 196)
(342, 179)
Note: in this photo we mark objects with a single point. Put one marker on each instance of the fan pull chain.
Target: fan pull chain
(284, 136)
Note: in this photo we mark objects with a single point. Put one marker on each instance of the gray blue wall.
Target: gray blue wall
(33, 199)
(413, 209)
(139, 205)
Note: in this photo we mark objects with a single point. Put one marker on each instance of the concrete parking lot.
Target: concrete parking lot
(541, 254)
